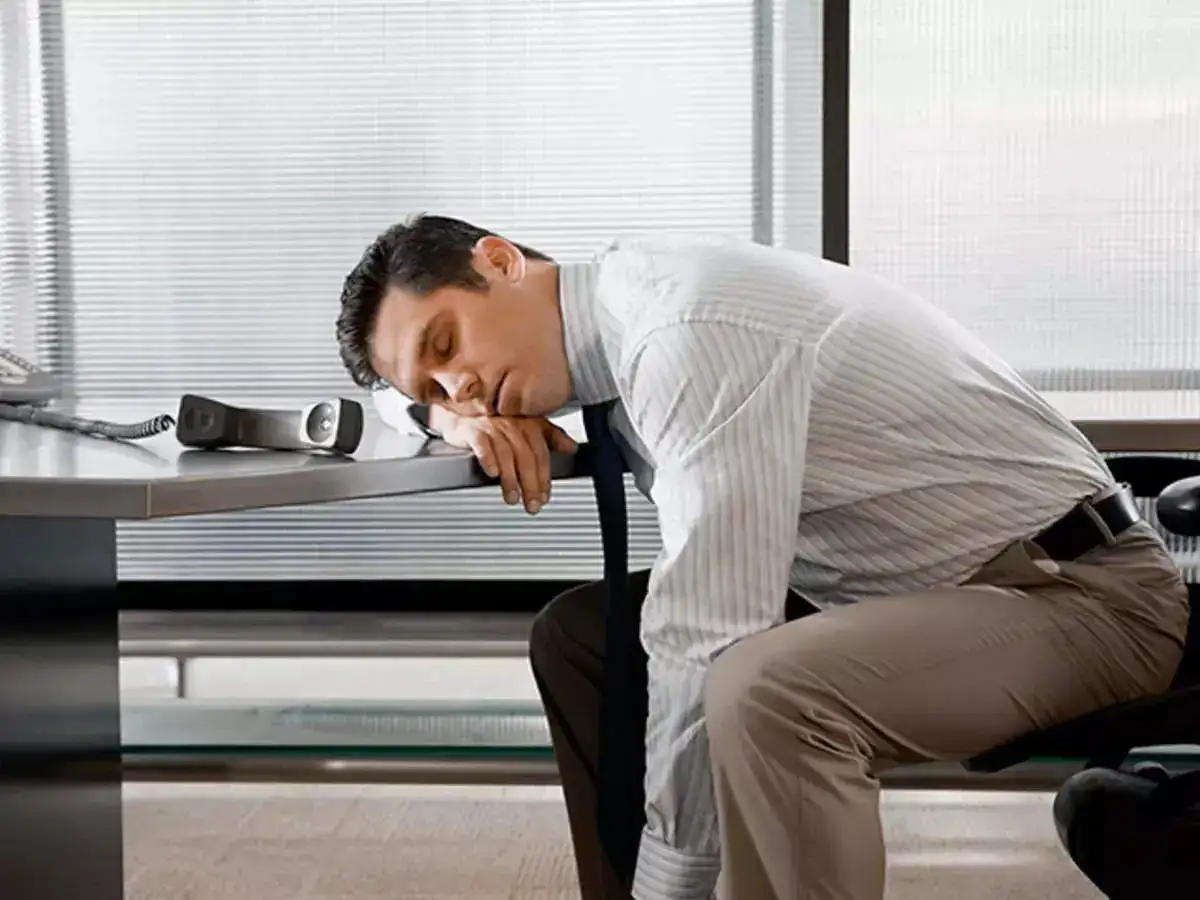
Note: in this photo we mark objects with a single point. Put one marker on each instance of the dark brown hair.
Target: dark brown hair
(421, 256)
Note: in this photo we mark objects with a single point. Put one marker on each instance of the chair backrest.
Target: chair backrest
(1149, 475)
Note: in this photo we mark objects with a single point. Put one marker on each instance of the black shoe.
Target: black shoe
(1123, 841)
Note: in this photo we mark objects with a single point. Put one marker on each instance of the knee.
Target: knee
(545, 634)
(1076, 800)
(1090, 802)
(744, 697)
(552, 632)
(773, 702)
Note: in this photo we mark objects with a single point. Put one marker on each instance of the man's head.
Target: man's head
(456, 315)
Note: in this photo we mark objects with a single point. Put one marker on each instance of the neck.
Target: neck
(543, 282)
(583, 338)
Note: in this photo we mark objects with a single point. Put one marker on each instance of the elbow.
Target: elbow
(691, 645)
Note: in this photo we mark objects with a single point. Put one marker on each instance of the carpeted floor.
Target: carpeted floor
(267, 842)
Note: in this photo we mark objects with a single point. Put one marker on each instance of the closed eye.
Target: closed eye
(443, 346)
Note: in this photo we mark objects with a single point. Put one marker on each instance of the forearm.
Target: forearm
(432, 421)
(695, 612)
(440, 420)
(680, 851)
(729, 456)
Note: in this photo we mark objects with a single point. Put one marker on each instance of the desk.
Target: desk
(60, 498)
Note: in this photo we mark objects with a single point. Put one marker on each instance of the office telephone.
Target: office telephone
(334, 425)
(21, 382)
(25, 390)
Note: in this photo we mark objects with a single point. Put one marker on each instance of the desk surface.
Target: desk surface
(46, 472)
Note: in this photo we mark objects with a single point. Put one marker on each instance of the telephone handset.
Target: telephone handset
(329, 425)
(24, 383)
(25, 390)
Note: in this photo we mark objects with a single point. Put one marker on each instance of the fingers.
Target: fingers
(506, 465)
(531, 459)
(481, 445)
(517, 452)
(559, 440)
(503, 453)
(541, 473)
(496, 459)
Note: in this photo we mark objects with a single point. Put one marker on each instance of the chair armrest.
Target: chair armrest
(1179, 507)
(1151, 474)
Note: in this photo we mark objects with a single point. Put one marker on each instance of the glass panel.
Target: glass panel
(1034, 168)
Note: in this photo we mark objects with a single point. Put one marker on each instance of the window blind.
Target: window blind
(229, 160)
(9, 241)
(25, 196)
(1035, 169)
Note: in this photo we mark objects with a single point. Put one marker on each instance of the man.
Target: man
(805, 428)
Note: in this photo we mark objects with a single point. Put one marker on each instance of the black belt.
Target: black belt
(1091, 524)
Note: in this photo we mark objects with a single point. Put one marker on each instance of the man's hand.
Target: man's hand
(515, 450)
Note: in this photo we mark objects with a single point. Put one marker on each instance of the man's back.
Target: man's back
(925, 454)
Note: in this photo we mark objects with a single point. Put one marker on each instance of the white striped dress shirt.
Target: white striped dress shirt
(796, 423)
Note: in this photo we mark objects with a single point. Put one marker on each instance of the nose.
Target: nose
(461, 388)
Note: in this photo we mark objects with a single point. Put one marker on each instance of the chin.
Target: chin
(533, 407)
(534, 400)
(512, 402)
(544, 407)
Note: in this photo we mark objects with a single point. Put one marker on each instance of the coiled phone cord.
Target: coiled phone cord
(36, 415)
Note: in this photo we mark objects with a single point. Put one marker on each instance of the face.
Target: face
(478, 353)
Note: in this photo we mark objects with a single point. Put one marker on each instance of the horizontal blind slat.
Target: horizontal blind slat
(229, 161)
(462, 535)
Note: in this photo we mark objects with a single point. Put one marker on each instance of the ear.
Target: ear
(500, 256)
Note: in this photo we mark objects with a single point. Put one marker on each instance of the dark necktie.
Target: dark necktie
(620, 805)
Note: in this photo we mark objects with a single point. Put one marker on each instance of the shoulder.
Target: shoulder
(651, 281)
(668, 262)
(642, 275)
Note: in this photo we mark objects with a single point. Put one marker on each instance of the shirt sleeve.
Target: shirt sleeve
(723, 411)
(392, 407)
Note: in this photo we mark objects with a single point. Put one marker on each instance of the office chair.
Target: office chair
(1134, 831)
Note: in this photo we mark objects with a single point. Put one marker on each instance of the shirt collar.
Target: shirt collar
(591, 375)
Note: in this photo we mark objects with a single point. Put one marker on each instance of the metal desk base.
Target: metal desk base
(60, 726)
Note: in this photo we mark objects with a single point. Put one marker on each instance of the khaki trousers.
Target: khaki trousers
(803, 718)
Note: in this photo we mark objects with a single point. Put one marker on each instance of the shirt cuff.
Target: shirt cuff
(664, 873)
(392, 407)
